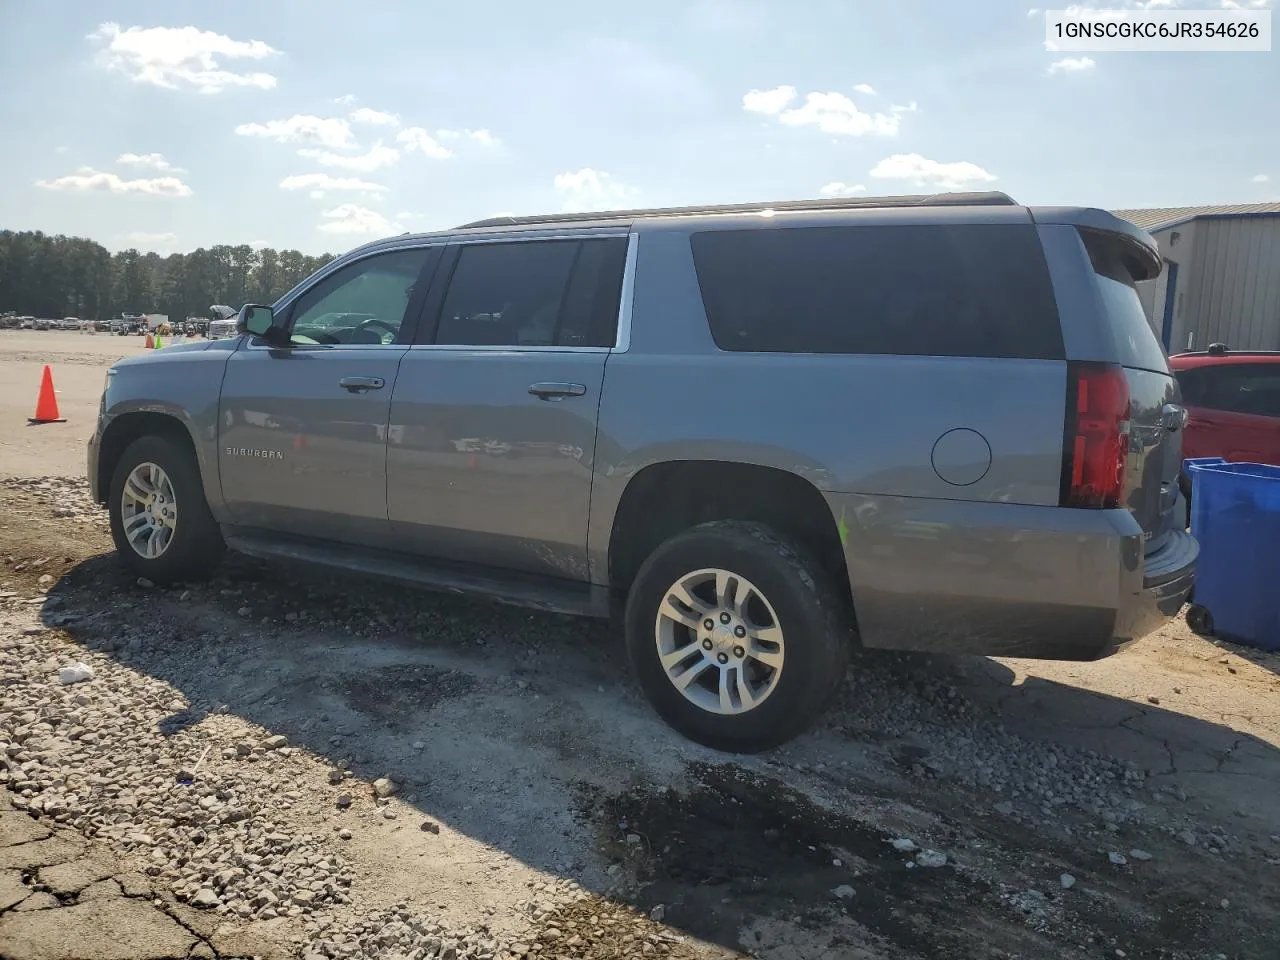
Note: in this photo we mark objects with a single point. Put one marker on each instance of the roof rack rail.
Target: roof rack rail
(992, 198)
(1220, 350)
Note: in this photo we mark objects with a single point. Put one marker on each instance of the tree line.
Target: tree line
(60, 276)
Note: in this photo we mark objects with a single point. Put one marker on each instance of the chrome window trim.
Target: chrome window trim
(496, 348)
(622, 342)
(527, 238)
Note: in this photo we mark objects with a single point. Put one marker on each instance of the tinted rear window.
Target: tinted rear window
(1135, 341)
(977, 290)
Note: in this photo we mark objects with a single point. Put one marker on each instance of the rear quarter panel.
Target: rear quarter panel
(864, 430)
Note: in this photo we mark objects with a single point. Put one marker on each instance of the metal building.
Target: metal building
(1221, 277)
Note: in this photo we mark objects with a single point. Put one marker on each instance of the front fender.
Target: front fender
(184, 387)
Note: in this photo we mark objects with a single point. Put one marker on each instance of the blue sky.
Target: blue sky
(319, 125)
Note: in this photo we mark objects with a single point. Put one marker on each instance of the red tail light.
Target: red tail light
(1096, 439)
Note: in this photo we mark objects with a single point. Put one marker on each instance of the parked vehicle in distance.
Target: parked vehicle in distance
(27, 323)
(758, 433)
(1233, 405)
(223, 324)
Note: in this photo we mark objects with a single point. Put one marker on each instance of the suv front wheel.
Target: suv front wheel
(737, 637)
(160, 520)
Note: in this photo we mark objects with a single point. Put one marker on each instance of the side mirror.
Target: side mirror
(256, 319)
(260, 321)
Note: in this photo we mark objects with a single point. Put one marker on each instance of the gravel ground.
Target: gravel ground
(334, 768)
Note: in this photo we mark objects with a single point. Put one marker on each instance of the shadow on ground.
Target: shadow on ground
(522, 731)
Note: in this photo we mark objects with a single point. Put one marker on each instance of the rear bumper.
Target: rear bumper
(1166, 583)
(999, 579)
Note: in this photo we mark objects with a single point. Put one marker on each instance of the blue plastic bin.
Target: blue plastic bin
(1235, 514)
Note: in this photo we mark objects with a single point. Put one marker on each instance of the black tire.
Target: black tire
(1200, 620)
(197, 545)
(809, 610)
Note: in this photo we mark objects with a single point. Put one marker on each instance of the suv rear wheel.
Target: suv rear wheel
(737, 637)
(160, 520)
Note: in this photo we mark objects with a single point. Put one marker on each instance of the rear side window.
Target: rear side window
(1135, 341)
(976, 290)
(535, 293)
(1252, 388)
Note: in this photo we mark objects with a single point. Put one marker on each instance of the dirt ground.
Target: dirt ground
(947, 808)
(79, 361)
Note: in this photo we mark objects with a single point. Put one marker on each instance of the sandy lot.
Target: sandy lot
(219, 777)
(79, 362)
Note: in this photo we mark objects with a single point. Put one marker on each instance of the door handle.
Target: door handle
(361, 384)
(550, 390)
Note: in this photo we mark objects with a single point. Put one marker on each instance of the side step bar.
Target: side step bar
(549, 594)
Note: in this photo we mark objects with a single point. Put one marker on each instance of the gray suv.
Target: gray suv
(758, 434)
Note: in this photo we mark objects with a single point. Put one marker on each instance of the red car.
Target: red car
(1233, 402)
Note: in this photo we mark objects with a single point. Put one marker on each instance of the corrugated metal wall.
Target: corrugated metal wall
(1232, 285)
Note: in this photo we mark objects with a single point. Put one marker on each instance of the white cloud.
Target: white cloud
(866, 88)
(911, 107)
(838, 188)
(346, 99)
(258, 244)
(178, 57)
(770, 102)
(829, 112)
(1260, 178)
(143, 239)
(1245, 4)
(87, 178)
(588, 189)
(1071, 65)
(482, 137)
(377, 118)
(836, 113)
(1033, 11)
(377, 157)
(416, 138)
(303, 128)
(924, 172)
(154, 161)
(321, 183)
(353, 218)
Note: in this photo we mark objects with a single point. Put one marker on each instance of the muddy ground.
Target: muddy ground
(947, 808)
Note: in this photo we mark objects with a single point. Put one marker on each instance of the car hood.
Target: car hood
(160, 356)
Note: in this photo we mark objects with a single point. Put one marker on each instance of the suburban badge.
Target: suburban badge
(252, 452)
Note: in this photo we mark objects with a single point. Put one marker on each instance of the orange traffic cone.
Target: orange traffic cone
(150, 342)
(47, 402)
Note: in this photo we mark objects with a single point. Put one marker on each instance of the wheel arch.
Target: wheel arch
(127, 427)
(664, 498)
